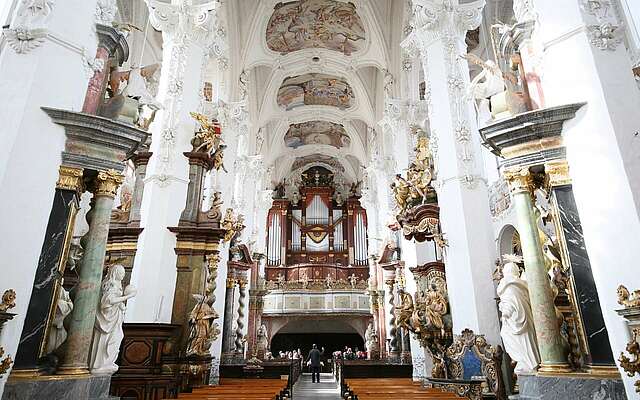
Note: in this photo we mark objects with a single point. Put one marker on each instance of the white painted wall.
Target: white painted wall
(52, 75)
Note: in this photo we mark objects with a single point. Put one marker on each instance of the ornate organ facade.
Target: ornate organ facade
(316, 235)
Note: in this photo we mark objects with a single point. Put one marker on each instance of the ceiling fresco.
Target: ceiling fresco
(305, 24)
(317, 158)
(315, 89)
(316, 132)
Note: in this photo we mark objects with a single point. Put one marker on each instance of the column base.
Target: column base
(56, 387)
(575, 386)
(73, 371)
(560, 368)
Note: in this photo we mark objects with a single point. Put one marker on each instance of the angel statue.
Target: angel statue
(202, 330)
(137, 89)
(208, 139)
(486, 84)
(401, 190)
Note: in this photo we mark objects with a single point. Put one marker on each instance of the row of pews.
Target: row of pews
(391, 388)
(242, 389)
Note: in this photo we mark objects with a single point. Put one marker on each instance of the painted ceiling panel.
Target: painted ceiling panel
(305, 24)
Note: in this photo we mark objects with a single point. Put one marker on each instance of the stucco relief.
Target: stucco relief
(305, 24)
(316, 132)
(315, 89)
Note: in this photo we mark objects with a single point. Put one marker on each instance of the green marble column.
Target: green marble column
(82, 319)
(550, 344)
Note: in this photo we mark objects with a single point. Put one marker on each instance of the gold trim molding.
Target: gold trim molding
(70, 178)
(519, 180)
(532, 147)
(557, 173)
(192, 245)
(108, 183)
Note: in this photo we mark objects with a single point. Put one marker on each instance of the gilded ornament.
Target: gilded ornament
(632, 365)
(520, 180)
(5, 363)
(202, 330)
(628, 299)
(8, 300)
(231, 283)
(415, 189)
(70, 179)
(233, 224)
(108, 183)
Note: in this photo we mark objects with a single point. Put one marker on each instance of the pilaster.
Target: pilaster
(439, 35)
(191, 34)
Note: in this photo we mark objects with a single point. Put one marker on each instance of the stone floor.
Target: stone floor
(327, 389)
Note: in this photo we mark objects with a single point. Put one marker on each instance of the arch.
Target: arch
(508, 241)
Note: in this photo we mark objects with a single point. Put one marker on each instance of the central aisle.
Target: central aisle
(327, 389)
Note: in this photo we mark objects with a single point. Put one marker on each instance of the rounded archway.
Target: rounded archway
(331, 333)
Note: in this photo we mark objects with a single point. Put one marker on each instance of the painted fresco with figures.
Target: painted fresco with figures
(315, 89)
(304, 24)
(319, 199)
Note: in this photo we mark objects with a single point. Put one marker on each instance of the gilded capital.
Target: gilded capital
(231, 283)
(557, 173)
(70, 178)
(107, 183)
(213, 260)
(520, 180)
(242, 283)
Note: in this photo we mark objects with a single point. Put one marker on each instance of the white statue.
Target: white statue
(57, 333)
(486, 84)
(107, 331)
(518, 331)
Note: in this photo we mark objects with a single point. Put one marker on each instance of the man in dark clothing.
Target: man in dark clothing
(314, 362)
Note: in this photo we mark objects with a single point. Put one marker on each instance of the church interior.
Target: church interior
(416, 199)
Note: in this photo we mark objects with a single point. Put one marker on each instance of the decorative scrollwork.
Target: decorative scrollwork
(233, 224)
(8, 300)
(5, 363)
(632, 365)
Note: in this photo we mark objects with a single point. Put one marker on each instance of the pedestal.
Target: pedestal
(538, 387)
(59, 388)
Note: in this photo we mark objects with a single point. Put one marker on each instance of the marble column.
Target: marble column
(242, 296)
(228, 334)
(439, 37)
(140, 160)
(552, 349)
(190, 37)
(81, 322)
(51, 266)
(394, 351)
(599, 357)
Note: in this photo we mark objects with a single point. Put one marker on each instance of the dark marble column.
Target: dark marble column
(51, 265)
(228, 335)
(586, 295)
(87, 296)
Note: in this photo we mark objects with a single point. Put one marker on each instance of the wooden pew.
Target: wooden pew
(386, 388)
(241, 389)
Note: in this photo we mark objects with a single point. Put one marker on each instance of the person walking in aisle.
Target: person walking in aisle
(314, 362)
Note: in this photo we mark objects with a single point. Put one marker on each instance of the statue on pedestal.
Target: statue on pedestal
(57, 332)
(202, 330)
(107, 330)
(518, 331)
